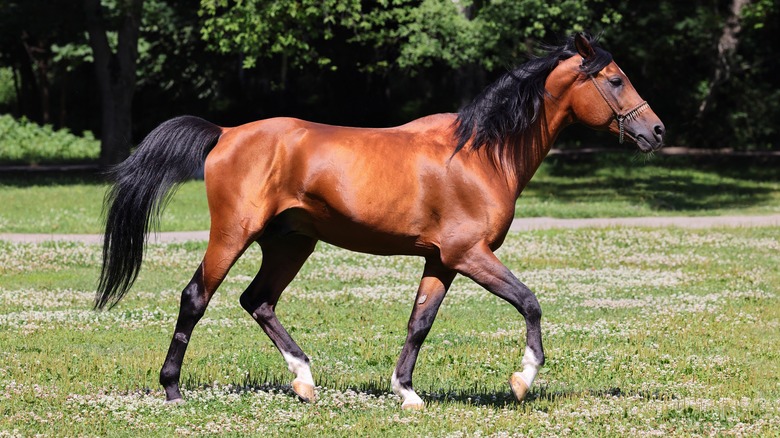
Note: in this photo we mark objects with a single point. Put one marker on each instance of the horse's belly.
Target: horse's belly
(373, 237)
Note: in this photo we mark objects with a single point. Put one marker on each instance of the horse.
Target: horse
(442, 187)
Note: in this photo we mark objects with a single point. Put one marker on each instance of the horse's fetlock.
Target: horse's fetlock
(169, 375)
(264, 312)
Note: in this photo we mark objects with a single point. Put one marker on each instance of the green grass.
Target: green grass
(622, 185)
(74, 205)
(616, 185)
(647, 332)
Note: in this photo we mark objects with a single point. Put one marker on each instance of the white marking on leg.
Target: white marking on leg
(530, 367)
(410, 398)
(303, 384)
(298, 367)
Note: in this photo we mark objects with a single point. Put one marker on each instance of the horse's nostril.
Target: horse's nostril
(659, 130)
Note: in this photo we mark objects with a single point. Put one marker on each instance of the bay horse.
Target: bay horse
(442, 187)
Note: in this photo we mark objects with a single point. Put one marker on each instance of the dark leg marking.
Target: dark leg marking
(430, 294)
(193, 305)
(482, 266)
(283, 257)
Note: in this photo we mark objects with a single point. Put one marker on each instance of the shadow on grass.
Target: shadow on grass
(22, 180)
(476, 396)
(662, 184)
(505, 399)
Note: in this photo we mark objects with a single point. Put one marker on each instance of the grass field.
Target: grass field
(648, 332)
(615, 185)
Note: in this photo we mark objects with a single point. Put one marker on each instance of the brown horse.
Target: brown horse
(442, 187)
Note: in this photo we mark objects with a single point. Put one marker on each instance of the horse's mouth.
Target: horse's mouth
(645, 145)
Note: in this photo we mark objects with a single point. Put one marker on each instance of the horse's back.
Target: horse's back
(339, 184)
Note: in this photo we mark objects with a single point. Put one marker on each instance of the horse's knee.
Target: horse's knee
(532, 310)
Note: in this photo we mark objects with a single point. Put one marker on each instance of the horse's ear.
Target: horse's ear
(583, 47)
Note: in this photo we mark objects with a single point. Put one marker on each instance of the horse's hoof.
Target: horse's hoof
(415, 405)
(518, 385)
(304, 391)
(174, 402)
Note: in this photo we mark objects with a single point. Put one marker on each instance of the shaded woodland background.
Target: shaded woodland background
(118, 68)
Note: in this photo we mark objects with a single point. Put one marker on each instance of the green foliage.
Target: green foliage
(393, 60)
(509, 30)
(261, 28)
(421, 33)
(671, 49)
(22, 141)
(412, 35)
(7, 92)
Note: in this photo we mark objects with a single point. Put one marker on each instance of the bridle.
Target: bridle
(621, 116)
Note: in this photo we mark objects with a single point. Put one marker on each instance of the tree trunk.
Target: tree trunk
(727, 45)
(115, 75)
(28, 97)
(39, 62)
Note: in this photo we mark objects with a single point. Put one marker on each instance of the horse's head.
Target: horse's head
(606, 100)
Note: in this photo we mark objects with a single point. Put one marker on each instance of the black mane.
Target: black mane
(505, 112)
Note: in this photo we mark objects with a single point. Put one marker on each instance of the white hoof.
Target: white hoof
(411, 401)
(413, 405)
(304, 390)
(518, 385)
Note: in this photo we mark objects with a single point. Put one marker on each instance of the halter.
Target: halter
(621, 117)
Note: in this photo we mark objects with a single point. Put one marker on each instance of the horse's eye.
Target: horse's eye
(616, 82)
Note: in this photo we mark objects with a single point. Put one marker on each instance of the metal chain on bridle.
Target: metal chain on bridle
(621, 116)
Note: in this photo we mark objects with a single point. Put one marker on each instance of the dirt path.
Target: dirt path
(521, 224)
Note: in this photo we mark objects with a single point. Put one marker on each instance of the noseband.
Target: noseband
(621, 116)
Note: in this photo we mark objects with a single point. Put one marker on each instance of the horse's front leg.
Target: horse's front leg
(433, 287)
(481, 265)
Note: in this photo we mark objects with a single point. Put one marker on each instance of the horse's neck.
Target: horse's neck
(531, 153)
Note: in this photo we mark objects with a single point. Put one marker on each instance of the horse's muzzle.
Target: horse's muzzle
(651, 139)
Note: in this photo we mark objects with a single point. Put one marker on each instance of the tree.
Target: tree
(411, 47)
(411, 35)
(674, 52)
(116, 73)
(727, 46)
(263, 28)
(708, 67)
(29, 29)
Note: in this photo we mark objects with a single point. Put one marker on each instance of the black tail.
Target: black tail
(143, 183)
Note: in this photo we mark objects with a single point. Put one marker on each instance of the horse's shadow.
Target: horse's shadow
(474, 396)
(501, 399)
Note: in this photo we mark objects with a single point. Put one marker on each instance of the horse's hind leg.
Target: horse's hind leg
(220, 255)
(433, 286)
(282, 259)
